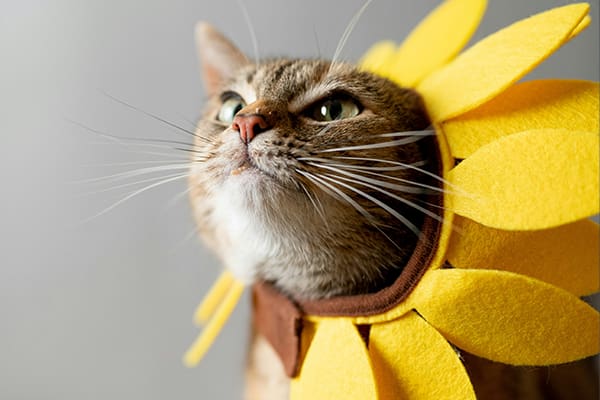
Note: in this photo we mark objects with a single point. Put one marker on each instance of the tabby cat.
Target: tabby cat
(317, 177)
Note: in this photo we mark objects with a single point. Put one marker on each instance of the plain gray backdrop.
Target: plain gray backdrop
(101, 308)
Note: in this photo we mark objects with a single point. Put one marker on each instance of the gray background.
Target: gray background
(102, 309)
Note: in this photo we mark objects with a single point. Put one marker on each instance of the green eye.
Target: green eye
(231, 106)
(334, 109)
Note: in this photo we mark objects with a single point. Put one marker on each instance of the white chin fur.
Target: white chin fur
(237, 214)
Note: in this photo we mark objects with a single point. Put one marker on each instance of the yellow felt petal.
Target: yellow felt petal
(213, 298)
(195, 353)
(336, 366)
(530, 105)
(378, 58)
(496, 62)
(566, 256)
(529, 180)
(585, 22)
(436, 40)
(413, 361)
(507, 317)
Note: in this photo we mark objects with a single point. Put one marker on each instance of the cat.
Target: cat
(318, 177)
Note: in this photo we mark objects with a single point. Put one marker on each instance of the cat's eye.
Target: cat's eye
(334, 109)
(232, 104)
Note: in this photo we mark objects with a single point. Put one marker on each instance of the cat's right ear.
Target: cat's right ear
(219, 58)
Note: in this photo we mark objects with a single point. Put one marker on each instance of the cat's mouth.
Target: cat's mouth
(249, 166)
(240, 169)
(252, 163)
(245, 165)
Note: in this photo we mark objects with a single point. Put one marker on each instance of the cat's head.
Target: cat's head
(308, 174)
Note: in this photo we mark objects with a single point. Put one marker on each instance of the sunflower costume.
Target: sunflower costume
(501, 276)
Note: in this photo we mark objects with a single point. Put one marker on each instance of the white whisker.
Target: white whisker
(361, 167)
(132, 145)
(347, 32)
(408, 133)
(408, 166)
(318, 206)
(401, 188)
(311, 178)
(177, 197)
(153, 179)
(399, 198)
(178, 128)
(131, 163)
(316, 37)
(134, 173)
(370, 146)
(368, 170)
(378, 202)
(251, 30)
(184, 241)
(413, 183)
(379, 160)
(137, 192)
(191, 123)
(155, 153)
(124, 141)
(339, 194)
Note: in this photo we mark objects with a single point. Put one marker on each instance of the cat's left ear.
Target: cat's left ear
(219, 58)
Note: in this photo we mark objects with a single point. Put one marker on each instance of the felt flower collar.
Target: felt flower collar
(514, 251)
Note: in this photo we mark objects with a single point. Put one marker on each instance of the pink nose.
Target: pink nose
(249, 125)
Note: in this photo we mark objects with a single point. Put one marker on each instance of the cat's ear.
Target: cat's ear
(219, 58)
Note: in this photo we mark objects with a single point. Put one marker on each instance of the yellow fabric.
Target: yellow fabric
(439, 34)
(498, 315)
(529, 180)
(508, 317)
(337, 365)
(413, 361)
(566, 256)
(213, 298)
(379, 58)
(498, 61)
(585, 22)
(195, 353)
(565, 104)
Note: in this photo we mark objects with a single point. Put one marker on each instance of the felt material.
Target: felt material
(493, 64)
(195, 353)
(337, 365)
(213, 298)
(279, 321)
(411, 360)
(438, 33)
(566, 256)
(498, 315)
(508, 317)
(378, 58)
(585, 22)
(565, 104)
(516, 177)
(529, 180)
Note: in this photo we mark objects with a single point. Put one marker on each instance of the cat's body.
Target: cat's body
(296, 163)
